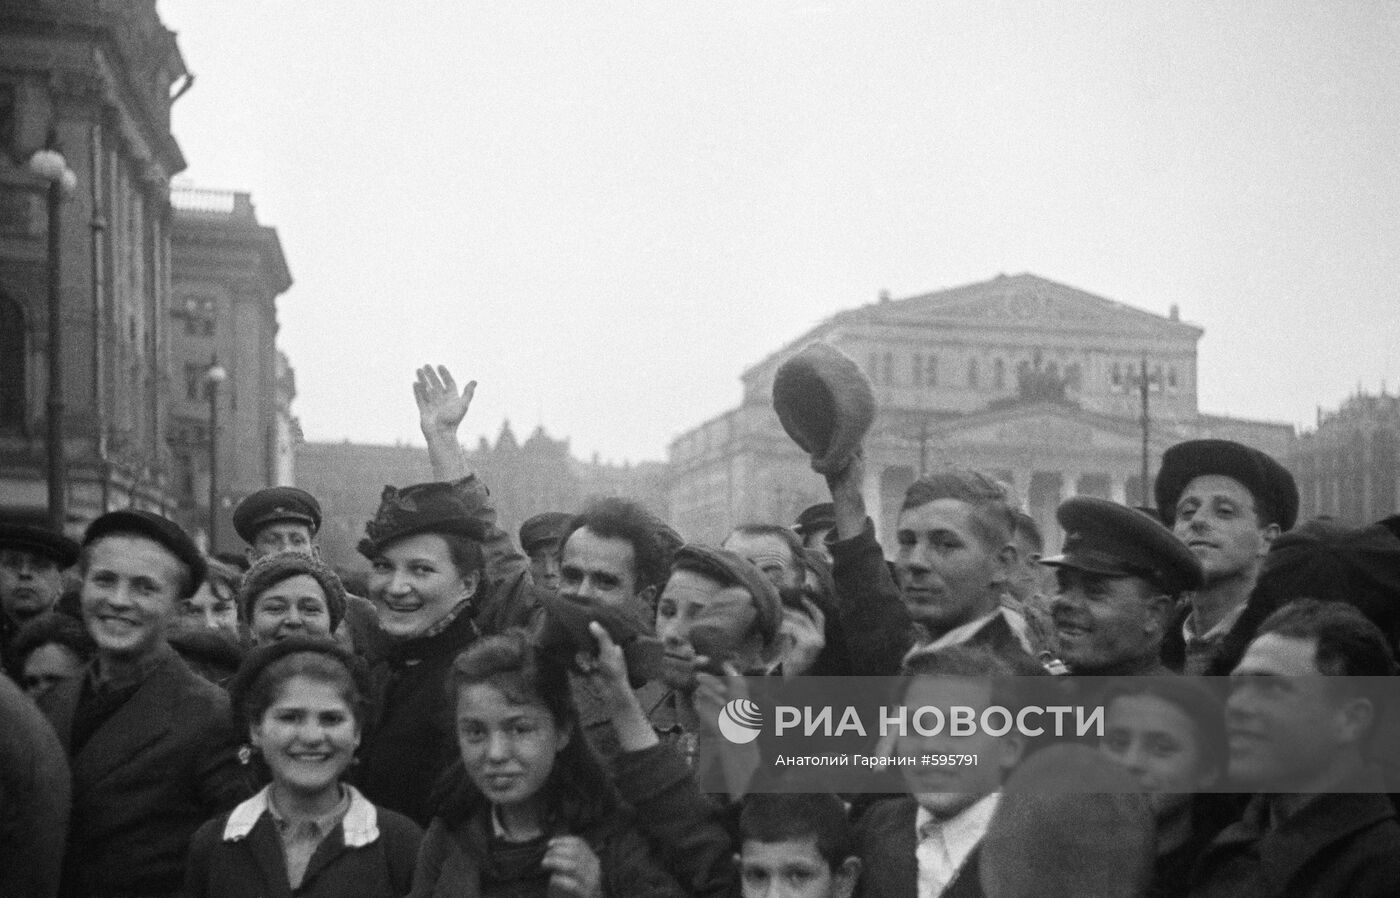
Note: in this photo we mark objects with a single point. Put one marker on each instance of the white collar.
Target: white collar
(963, 632)
(360, 824)
(962, 832)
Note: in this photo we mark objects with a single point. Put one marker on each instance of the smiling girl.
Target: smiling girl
(532, 813)
(308, 833)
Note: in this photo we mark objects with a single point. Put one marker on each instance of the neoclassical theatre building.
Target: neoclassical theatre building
(1034, 382)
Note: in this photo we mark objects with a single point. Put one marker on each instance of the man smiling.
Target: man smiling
(1118, 575)
(152, 745)
(1227, 502)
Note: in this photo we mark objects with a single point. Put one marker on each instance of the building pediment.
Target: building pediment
(1044, 425)
(1030, 301)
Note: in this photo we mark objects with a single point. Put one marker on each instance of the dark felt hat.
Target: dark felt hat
(168, 534)
(825, 404)
(821, 516)
(728, 568)
(1270, 482)
(39, 539)
(276, 503)
(564, 633)
(545, 527)
(436, 507)
(1069, 824)
(1103, 537)
(273, 569)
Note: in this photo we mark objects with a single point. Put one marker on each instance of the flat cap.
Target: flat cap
(545, 527)
(1268, 481)
(276, 503)
(825, 404)
(163, 531)
(730, 569)
(436, 507)
(1103, 537)
(821, 516)
(39, 539)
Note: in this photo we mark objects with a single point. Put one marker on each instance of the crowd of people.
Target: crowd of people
(540, 716)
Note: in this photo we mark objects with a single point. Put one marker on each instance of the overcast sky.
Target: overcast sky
(604, 212)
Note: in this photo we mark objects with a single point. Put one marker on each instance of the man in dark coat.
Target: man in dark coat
(152, 746)
(1307, 698)
(34, 797)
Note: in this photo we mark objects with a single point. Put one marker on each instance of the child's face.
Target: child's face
(508, 748)
(308, 736)
(791, 869)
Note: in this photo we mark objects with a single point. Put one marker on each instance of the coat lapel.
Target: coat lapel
(143, 720)
(265, 845)
(1325, 821)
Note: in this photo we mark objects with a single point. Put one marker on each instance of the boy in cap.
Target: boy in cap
(152, 746)
(1227, 502)
(33, 558)
(1118, 577)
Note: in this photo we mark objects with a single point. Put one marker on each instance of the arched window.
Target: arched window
(999, 374)
(973, 379)
(12, 362)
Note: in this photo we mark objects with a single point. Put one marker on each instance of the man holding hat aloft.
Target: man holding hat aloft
(1227, 502)
(152, 745)
(33, 558)
(1118, 577)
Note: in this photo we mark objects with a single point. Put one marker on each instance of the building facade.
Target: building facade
(96, 80)
(525, 478)
(1034, 382)
(229, 270)
(1348, 467)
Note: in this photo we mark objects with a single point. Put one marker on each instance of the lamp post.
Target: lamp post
(213, 377)
(50, 165)
(1142, 382)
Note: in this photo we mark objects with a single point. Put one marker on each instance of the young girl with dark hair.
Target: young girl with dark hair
(307, 833)
(531, 812)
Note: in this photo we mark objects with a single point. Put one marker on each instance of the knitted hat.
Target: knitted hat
(825, 404)
(729, 569)
(272, 569)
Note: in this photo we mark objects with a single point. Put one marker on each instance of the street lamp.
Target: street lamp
(213, 377)
(50, 165)
(1142, 382)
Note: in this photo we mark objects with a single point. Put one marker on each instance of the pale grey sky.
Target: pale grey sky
(604, 212)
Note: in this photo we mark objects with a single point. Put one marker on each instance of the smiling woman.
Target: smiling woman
(303, 700)
(424, 547)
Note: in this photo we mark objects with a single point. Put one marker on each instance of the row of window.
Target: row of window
(924, 372)
(1125, 375)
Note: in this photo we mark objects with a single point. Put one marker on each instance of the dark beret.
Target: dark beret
(276, 503)
(729, 569)
(825, 404)
(40, 540)
(1103, 537)
(545, 527)
(1268, 481)
(168, 534)
(821, 516)
(436, 507)
(273, 569)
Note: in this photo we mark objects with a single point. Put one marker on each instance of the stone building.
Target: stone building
(1348, 467)
(526, 478)
(96, 78)
(228, 272)
(1030, 380)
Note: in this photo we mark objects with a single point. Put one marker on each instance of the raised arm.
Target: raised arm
(873, 616)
